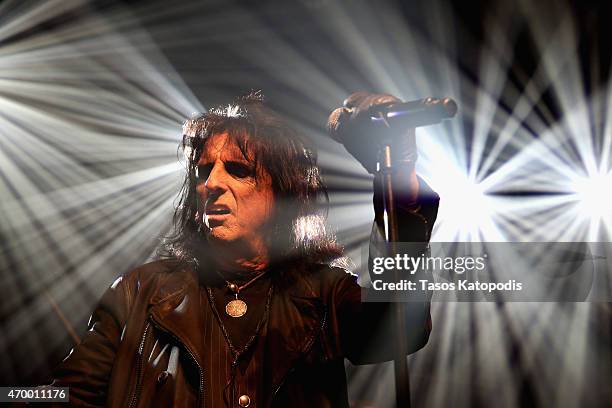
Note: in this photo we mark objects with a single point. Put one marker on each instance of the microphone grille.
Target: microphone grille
(450, 106)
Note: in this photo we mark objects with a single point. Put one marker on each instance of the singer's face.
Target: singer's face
(236, 199)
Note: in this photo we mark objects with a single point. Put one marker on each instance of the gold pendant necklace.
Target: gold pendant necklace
(238, 307)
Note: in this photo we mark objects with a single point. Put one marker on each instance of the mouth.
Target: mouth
(217, 211)
(215, 214)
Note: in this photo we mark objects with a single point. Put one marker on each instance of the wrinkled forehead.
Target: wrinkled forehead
(224, 147)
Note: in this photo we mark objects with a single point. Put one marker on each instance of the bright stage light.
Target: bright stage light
(595, 195)
(465, 211)
(592, 204)
(467, 192)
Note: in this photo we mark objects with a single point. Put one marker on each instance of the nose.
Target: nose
(215, 182)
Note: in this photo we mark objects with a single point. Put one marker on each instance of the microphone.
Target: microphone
(422, 112)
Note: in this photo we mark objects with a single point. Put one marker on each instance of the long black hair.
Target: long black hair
(266, 140)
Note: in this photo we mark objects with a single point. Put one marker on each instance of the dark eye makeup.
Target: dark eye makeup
(239, 170)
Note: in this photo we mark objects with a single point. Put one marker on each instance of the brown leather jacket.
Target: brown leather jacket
(314, 323)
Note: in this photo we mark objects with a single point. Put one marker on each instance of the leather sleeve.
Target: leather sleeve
(366, 328)
(415, 222)
(366, 332)
(87, 369)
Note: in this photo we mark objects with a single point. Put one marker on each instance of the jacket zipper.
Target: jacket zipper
(191, 354)
(311, 342)
(280, 385)
(136, 394)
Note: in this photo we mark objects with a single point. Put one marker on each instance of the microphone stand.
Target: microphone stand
(400, 363)
(412, 114)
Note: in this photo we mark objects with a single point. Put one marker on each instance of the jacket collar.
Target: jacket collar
(175, 308)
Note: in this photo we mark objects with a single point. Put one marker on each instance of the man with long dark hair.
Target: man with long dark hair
(251, 304)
